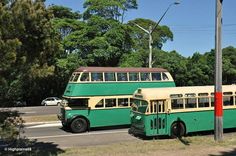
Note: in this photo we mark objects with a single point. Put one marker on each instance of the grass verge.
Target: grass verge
(195, 145)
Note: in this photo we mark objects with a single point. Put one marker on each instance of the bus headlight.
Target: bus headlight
(138, 117)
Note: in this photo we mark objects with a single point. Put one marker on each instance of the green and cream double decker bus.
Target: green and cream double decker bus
(101, 96)
(179, 110)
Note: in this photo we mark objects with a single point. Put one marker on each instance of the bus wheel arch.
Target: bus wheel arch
(178, 129)
(79, 124)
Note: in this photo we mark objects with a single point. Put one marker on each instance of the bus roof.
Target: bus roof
(164, 93)
(118, 69)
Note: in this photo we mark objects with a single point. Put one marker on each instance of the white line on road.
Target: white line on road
(80, 134)
(46, 125)
(32, 112)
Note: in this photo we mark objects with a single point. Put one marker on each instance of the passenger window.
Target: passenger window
(110, 102)
(133, 77)
(96, 77)
(123, 102)
(164, 76)
(110, 77)
(145, 76)
(177, 103)
(190, 103)
(100, 104)
(228, 99)
(212, 100)
(85, 77)
(121, 76)
(156, 76)
(203, 100)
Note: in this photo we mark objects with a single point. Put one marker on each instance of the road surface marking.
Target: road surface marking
(46, 125)
(80, 134)
(32, 112)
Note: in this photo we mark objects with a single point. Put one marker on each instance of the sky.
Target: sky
(192, 22)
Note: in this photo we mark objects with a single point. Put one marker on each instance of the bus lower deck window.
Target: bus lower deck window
(100, 104)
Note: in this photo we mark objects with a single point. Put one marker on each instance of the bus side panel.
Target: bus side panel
(155, 124)
(229, 118)
(110, 88)
(109, 117)
(193, 121)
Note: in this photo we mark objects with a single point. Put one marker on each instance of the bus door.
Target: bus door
(159, 117)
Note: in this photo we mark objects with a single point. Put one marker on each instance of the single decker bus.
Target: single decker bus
(177, 111)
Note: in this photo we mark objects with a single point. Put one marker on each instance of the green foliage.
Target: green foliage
(11, 124)
(63, 12)
(28, 44)
(159, 36)
(108, 9)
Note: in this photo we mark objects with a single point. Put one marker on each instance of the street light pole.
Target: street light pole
(150, 31)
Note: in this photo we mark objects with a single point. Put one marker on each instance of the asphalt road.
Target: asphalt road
(39, 110)
(54, 134)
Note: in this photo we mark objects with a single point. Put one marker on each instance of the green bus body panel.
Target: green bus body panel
(103, 117)
(110, 88)
(193, 121)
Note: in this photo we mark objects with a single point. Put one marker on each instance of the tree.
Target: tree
(160, 35)
(30, 44)
(108, 9)
(101, 42)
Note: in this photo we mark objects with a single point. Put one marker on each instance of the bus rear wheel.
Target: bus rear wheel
(79, 125)
(177, 130)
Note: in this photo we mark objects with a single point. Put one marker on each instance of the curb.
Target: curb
(38, 123)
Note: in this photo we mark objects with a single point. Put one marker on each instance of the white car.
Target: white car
(51, 101)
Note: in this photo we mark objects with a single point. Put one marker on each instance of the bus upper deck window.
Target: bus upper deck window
(145, 76)
(110, 77)
(76, 77)
(164, 76)
(72, 77)
(156, 76)
(121, 76)
(96, 77)
(85, 77)
(133, 77)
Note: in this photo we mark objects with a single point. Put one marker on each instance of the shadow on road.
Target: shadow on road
(29, 147)
(12, 143)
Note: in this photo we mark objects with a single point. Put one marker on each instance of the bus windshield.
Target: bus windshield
(139, 106)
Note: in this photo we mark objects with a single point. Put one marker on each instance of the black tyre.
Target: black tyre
(79, 125)
(177, 130)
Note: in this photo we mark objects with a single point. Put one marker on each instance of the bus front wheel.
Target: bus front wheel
(177, 130)
(79, 125)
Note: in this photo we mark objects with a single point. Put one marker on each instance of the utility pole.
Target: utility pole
(218, 115)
